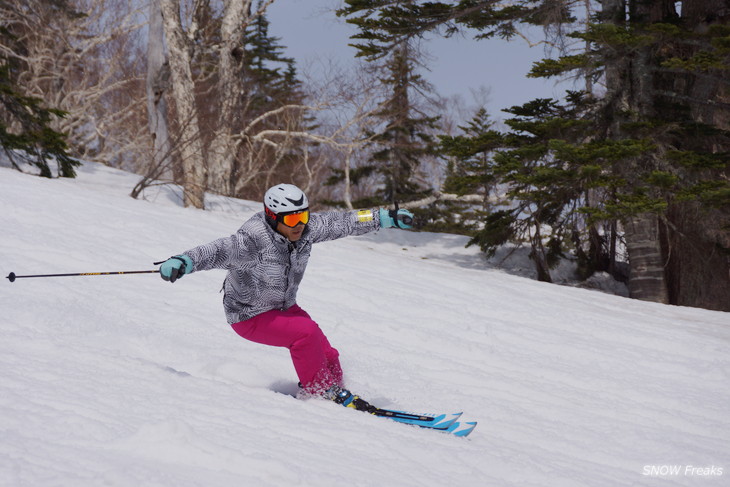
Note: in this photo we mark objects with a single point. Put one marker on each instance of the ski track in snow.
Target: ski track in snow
(128, 380)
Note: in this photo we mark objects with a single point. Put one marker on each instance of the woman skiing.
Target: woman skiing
(266, 259)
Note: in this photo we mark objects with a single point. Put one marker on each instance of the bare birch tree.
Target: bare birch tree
(158, 81)
(82, 65)
(192, 153)
(236, 15)
(217, 150)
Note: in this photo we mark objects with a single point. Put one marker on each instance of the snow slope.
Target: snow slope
(129, 381)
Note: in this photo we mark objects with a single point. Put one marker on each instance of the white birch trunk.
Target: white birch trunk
(221, 152)
(157, 84)
(183, 92)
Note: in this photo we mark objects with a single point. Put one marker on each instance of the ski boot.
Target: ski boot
(348, 399)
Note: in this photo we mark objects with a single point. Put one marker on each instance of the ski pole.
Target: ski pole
(12, 277)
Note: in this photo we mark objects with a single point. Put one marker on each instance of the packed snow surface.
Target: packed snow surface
(132, 381)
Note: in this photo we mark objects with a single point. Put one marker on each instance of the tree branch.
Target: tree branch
(438, 196)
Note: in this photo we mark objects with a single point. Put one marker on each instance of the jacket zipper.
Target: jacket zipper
(288, 269)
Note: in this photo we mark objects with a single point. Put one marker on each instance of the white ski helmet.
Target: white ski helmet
(283, 198)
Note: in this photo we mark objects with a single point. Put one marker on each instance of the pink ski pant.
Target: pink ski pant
(316, 362)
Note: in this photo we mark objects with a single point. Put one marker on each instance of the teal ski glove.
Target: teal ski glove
(396, 218)
(176, 267)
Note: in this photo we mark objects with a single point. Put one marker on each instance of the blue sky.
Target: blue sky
(313, 34)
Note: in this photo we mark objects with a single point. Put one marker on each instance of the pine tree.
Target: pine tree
(272, 82)
(543, 191)
(653, 62)
(469, 170)
(405, 138)
(652, 152)
(272, 74)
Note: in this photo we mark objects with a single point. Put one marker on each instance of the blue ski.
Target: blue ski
(437, 421)
(461, 428)
(447, 423)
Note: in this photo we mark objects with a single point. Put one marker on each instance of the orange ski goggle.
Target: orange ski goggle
(293, 219)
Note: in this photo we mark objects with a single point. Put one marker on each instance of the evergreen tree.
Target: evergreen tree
(384, 24)
(653, 62)
(652, 152)
(272, 74)
(542, 192)
(272, 82)
(469, 170)
(405, 139)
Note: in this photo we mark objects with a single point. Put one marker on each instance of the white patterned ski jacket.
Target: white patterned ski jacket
(264, 267)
